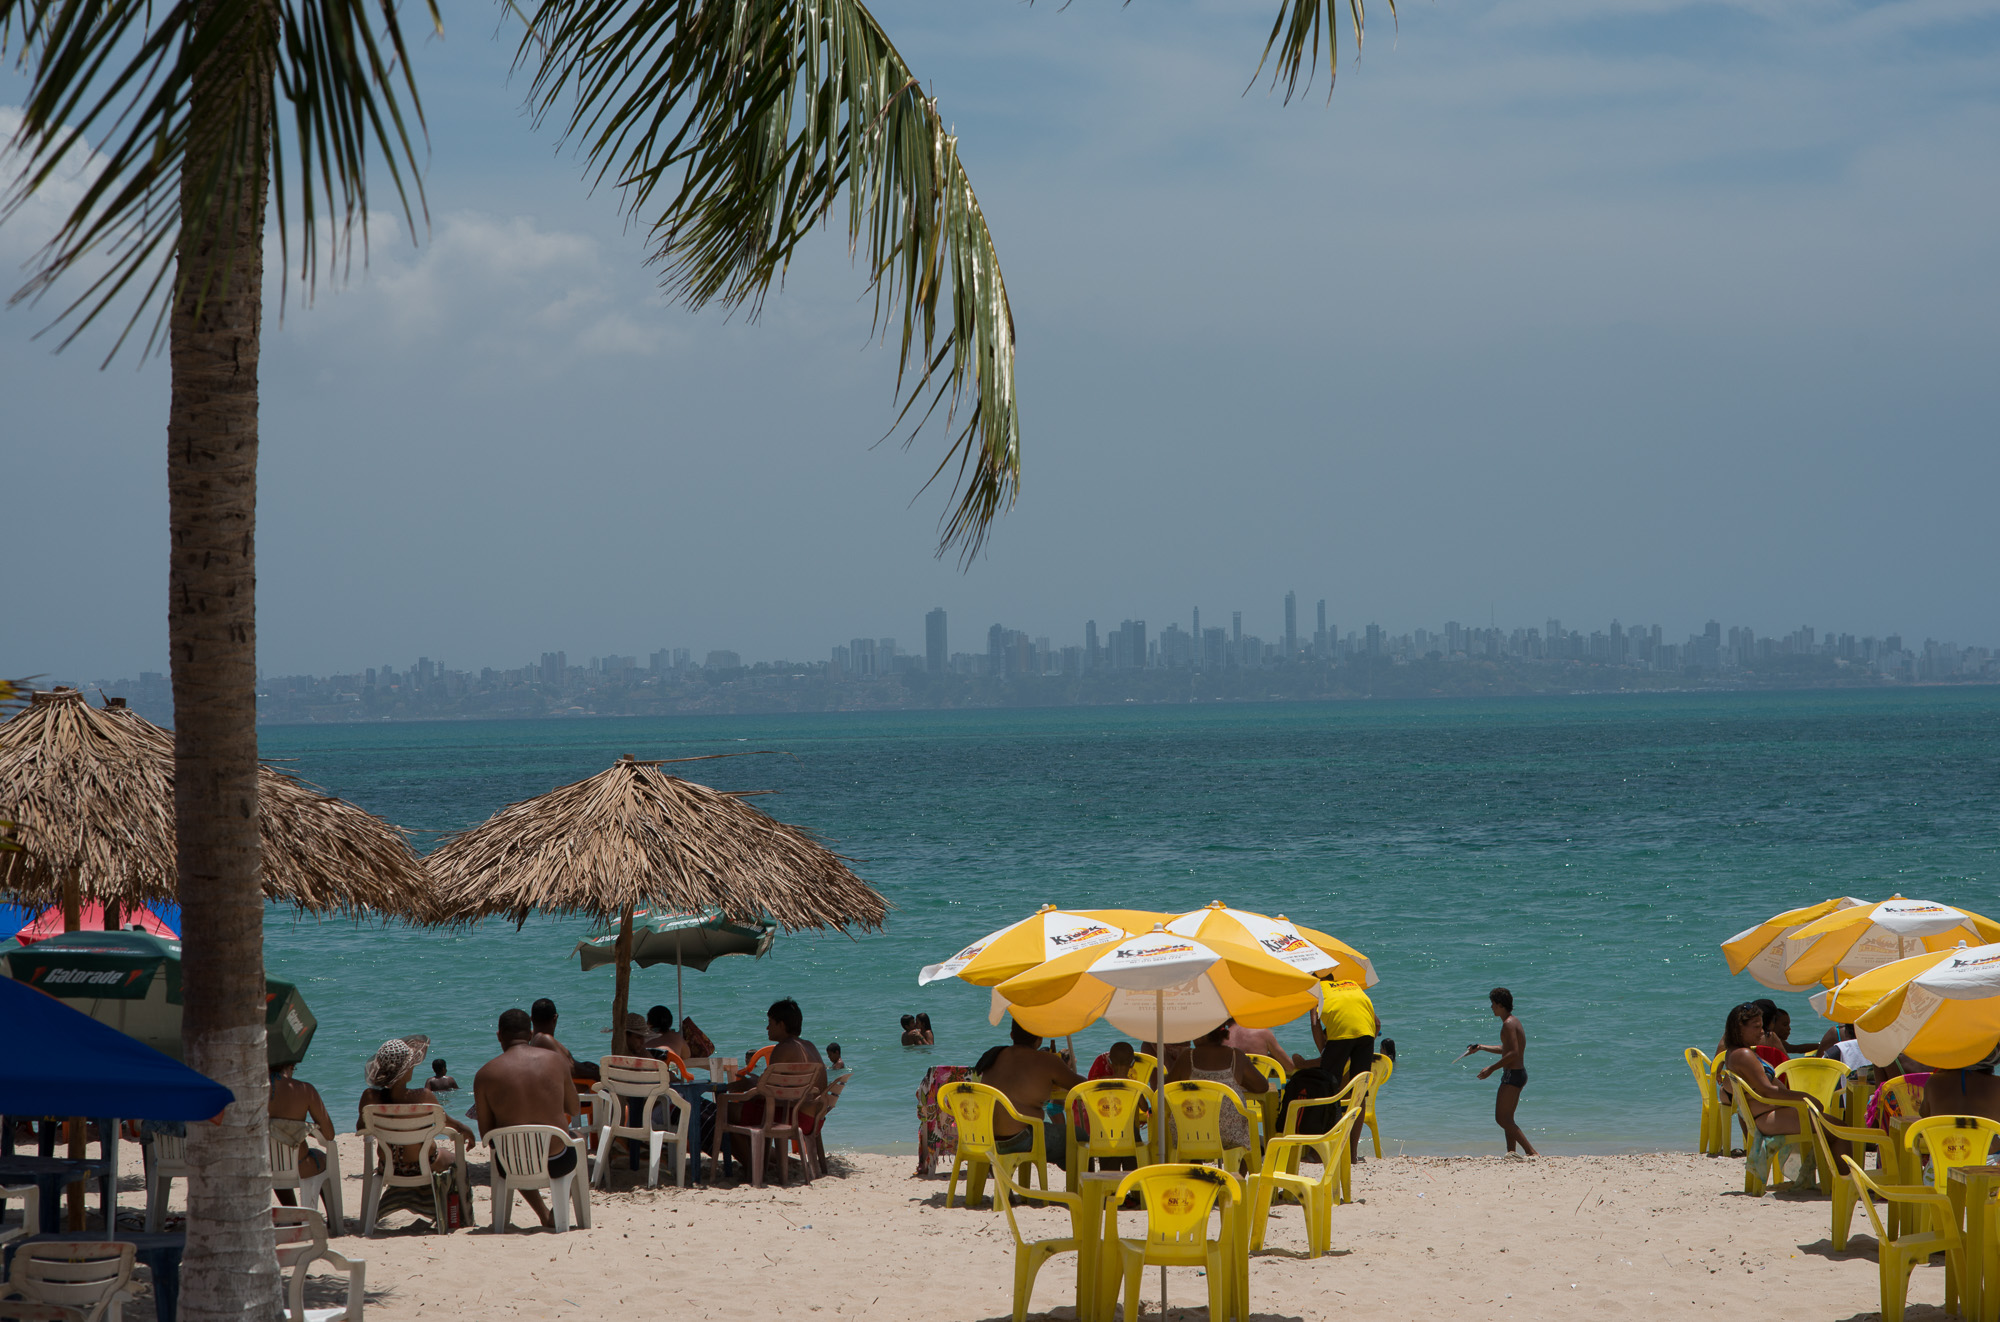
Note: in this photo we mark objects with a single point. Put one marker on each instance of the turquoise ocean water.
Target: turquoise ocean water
(1587, 852)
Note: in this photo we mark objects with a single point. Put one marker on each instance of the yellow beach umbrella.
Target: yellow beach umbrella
(1301, 947)
(1760, 950)
(1035, 940)
(1941, 1008)
(1854, 940)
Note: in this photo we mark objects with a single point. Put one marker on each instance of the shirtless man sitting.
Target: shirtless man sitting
(1970, 1091)
(527, 1084)
(1027, 1075)
(660, 1026)
(782, 1023)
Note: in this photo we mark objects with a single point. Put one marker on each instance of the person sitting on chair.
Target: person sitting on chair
(543, 1015)
(295, 1108)
(1742, 1033)
(388, 1076)
(661, 1034)
(1026, 1075)
(527, 1084)
(782, 1024)
(1216, 1061)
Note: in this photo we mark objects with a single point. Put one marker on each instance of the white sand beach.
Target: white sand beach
(1666, 1235)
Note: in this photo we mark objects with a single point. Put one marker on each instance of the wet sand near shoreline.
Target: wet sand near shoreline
(1664, 1235)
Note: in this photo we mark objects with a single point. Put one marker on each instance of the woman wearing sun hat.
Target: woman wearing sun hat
(388, 1073)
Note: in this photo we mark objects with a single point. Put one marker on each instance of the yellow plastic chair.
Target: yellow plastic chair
(1266, 1102)
(1178, 1199)
(1316, 1195)
(1142, 1068)
(1948, 1141)
(1810, 1074)
(1195, 1108)
(1897, 1256)
(1384, 1069)
(1764, 1161)
(1030, 1255)
(1839, 1185)
(1713, 1140)
(1112, 1109)
(972, 1106)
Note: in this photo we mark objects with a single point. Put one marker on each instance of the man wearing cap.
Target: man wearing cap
(1344, 1030)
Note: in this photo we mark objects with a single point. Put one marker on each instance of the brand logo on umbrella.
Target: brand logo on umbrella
(1080, 934)
(1916, 908)
(1975, 963)
(968, 952)
(1149, 952)
(83, 977)
(1280, 943)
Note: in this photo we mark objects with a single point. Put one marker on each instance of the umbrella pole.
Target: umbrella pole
(72, 903)
(680, 997)
(623, 989)
(1160, 1101)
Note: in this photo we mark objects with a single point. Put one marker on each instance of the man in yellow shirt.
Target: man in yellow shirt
(1344, 1030)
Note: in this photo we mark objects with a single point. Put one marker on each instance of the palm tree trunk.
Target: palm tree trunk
(230, 1272)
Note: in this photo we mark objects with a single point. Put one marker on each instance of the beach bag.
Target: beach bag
(1312, 1081)
(699, 1047)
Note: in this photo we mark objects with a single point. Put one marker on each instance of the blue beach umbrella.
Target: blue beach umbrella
(62, 1062)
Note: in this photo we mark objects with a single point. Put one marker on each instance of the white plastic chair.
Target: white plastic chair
(311, 1188)
(166, 1161)
(405, 1125)
(521, 1161)
(622, 1081)
(301, 1243)
(90, 1281)
(30, 1198)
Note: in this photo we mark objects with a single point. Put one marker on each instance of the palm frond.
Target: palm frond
(115, 76)
(1302, 27)
(732, 129)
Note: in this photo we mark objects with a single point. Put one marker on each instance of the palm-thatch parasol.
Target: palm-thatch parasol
(633, 837)
(90, 793)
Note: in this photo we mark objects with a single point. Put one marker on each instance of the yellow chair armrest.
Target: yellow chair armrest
(1002, 1103)
(1073, 1201)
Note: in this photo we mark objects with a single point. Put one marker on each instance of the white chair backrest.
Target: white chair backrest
(786, 1083)
(405, 1125)
(169, 1150)
(284, 1158)
(524, 1150)
(630, 1076)
(75, 1275)
(301, 1234)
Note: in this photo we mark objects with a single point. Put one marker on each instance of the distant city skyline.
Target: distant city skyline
(1132, 644)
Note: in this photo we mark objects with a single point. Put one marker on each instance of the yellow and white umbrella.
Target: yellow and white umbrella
(1941, 1008)
(1760, 951)
(1035, 940)
(1301, 947)
(1854, 940)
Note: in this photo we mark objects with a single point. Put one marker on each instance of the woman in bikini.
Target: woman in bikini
(1742, 1034)
(388, 1074)
(1214, 1060)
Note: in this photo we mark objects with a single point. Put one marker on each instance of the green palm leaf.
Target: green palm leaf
(117, 74)
(733, 129)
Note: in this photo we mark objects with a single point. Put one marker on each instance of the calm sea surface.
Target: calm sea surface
(1589, 853)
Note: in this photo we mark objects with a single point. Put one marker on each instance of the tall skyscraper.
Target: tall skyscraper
(1092, 657)
(996, 650)
(1291, 625)
(1322, 642)
(936, 654)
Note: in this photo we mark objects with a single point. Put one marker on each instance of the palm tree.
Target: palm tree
(731, 129)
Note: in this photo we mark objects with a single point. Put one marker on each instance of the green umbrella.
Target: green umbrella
(132, 982)
(685, 940)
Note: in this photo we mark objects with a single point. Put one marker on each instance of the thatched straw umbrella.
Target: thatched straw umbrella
(90, 793)
(634, 836)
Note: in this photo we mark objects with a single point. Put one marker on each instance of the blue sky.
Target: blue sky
(1652, 310)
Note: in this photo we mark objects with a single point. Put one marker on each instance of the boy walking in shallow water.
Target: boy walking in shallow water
(1513, 1052)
